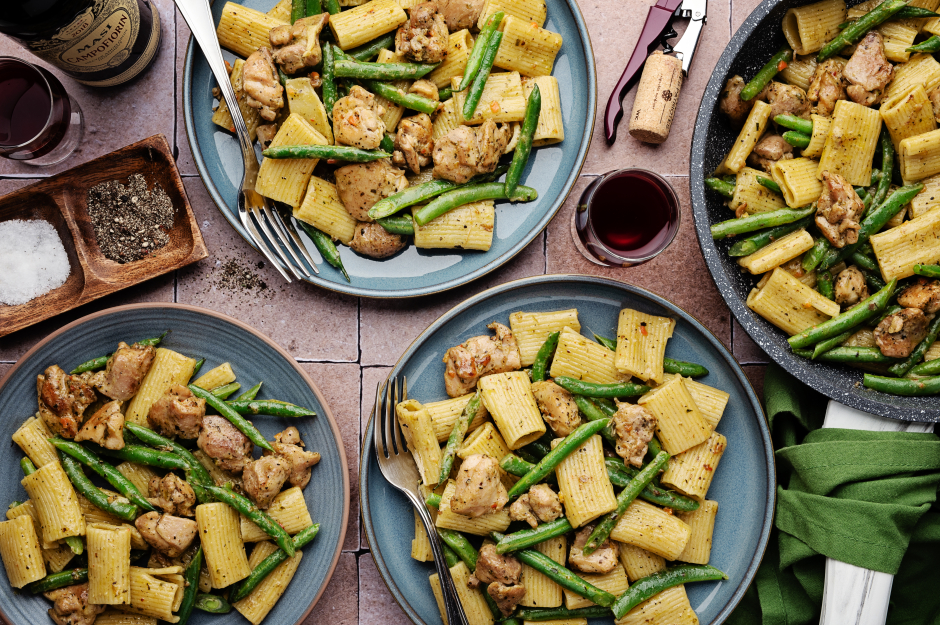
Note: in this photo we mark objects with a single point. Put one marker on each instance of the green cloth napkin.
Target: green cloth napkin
(866, 498)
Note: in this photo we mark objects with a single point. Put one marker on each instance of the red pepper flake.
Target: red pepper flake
(782, 65)
(494, 106)
(643, 329)
(708, 467)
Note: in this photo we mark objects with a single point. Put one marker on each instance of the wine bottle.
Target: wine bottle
(100, 43)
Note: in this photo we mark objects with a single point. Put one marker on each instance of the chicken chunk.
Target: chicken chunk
(479, 488)
(839, 211)
(426, 89)
(850, 287)
(731, 103)
(127, 368)
(897, 335)
(221, 441)
(371, 239)
(63, 399)
(70, 605)
(413, 143)
(924, 296)
(172, 495)
(263, 479)
(460, 14)
(479, 356)
(361, 185)
(289, 447)
(466, 151)
(506, 597)
(170, 535)
(634, 426)
(264, 90)
(557, 406)
(423, 38)
(105, 427)
(603, 560)
(827, 87)
(770, 149)
(521, 510)
(357, 120)
(266, 134)
(496, 567)
(298, 46)
(539, 504)
(868, 72)
(177, 413)
(785, 99)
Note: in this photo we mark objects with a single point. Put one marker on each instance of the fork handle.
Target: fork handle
(199, 17)
(452, 605)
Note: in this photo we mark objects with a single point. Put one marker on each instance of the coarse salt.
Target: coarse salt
(32, 260)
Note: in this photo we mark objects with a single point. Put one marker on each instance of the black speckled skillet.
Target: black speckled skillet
(750, 47)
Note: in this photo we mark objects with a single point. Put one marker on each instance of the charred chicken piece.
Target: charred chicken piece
(63, 399)
(785, 99)
(105, 427)
(539, 504)
(371, 239)
(361, 185)
(357, 120)
(495, 567)
(506, 597)
(603, 560)
(172, 495)
(731, 103)
(263, 479)
(770, 149)
(70, 606)
(426, 89)
(266, 134)
(177, 413)
(460, 14)
(924, 296)
(897, 335)
(126, 369)
(479, 356)
(557, 407)
(850, 287)
(466, 151)
(839, 211)
(423, 38)
(827, 87)
(479, 488)
(221, 441)
(413, 143)
(298, 46)
(868, 71)
(634, 426)
(261, 84)
(170, 535)
(288, 446)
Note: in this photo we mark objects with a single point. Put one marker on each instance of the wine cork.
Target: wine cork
(656, 98)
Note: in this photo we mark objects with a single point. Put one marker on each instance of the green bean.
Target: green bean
(857, 29)
(467, 194)
(197, 368)
(926, 369)
(213, 604)
(244, 505)
(59, 580)
(592, 389)
(593, 413)
(824, 346)
(27, 466)
(524, 145)
(864, 262)
(887, 165)
(544, 355)
(647, 587)
(153, 439)
(610, 344)
(847, 320)
(282, 77)
(266, 566)
(909, 387)
(928, 271)
(14, 504)
(793, 122)
(409, 197)
(445, 94)
(146, 456)
(683, 368)
(766, 73)
(556, 455)
(329, 152)
(929, 46)
(910, 12)
(398, 224)
(479, 48)
(105, 470)
(388, 143)
(815, 255)
(620, 475)
(872, 279)
(851, 355)
(190, 588)
(346, 68)
(328, 78)
(324, 244)
(539, 448)
(796, 139)
(551, 614)
(603, 529)
(763, 238)
(368, 50)
(825, 286)
(768, 183)
(250, 393)
(99, 363)
(313, 7)
(332, 6)
(514, 465)
(271, 407)
(527, 455)
(902, 368)
(226, 391)
(224, 409)
(398, 96)
(719, 185)
(461, 546)
(457, 434)
(742, 225)
(451, 559)
(121, 509)
(528, 537)
(298, 10)
(475, 92)
(433, 501)
(605, 404)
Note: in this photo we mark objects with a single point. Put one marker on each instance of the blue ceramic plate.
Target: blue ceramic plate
(552, 170)
(743, 485)
(218, 339)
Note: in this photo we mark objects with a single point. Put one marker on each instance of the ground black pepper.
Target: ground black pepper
(130, 222)
(233, 276)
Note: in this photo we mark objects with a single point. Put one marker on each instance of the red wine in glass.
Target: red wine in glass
(626, 218)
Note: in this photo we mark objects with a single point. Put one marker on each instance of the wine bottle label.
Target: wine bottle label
(145, 58)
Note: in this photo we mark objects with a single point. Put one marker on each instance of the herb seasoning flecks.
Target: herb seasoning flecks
(130, 222)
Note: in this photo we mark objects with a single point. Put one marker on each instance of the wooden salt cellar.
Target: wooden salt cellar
(656, 98)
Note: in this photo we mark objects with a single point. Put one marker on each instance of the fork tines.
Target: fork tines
(386, 420)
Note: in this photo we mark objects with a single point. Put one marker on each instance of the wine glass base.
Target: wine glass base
(69, 142)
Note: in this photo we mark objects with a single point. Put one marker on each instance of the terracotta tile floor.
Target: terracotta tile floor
(344, 342)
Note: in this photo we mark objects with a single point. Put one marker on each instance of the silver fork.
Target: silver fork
(252, 206)
(399, 468)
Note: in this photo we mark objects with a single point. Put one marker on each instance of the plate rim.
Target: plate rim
(349, 289)
(277, 348)
(769, 510)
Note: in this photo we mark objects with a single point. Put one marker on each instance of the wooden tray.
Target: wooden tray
(62, 200)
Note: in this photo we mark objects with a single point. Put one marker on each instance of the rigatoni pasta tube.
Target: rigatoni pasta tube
(109, 563)
(33, 438)
(467, 227)
(648, 527)
(909, 115)
(243, 30)
(261, 600)
(540, 590)
(323, 210)
(421, 544)
(679, 423)
(474, 605)
(445, 413)
(529, 11)
(928, 198)
(222, 544)
(168, 368)
(216, 377)
(639, 563)
(641, 344)
(508, 398)
(502, 99)
(152, 596)
(286, 179)
(752, 195)
(447, 119)
(852, 141)
(487, 440)
(366, 22)
(56, 502)
(288, 509)
(57, 559)
(670, 606)
(583, 482)
(526, 48)
(817, 141)
(750, 133)
(799, 72)
(393, 112)
(913, 242)
(459, 45)
(29, 509)
(113, 617)
(797, 180)
(551, 126)
(615, 582)
(438, 593)
(711, 401)
(702, 524)
(808, 28)
(480, 526)
(582, 358)
(20, 551)
(422, 442)
(919, 156)
(139, 475)
(302, 99)
(782, 250)
(530, 329)
(921, 69)
(691, 472)
(789, 304)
